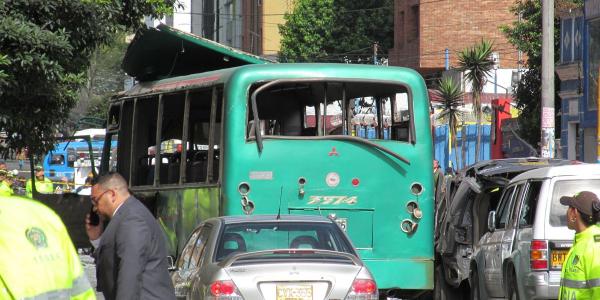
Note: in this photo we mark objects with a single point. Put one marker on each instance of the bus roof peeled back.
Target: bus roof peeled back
(164, 52)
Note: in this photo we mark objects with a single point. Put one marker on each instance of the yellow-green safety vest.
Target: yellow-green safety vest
(37, 258)
(45, 187)
(5, 189)
(580, 276)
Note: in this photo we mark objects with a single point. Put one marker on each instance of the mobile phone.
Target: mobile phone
(94, 217)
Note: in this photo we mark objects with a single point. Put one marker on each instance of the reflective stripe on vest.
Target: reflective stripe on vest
(80, 286)
(580, 284)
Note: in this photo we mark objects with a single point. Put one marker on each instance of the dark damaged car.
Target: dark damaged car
(462, 212)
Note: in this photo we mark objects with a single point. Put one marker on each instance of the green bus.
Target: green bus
(348, 142)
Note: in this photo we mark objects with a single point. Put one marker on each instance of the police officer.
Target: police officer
(37, 257)
(42, 184)
(5, 184)
(580, 277)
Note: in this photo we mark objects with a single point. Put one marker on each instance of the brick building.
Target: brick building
(425, 28)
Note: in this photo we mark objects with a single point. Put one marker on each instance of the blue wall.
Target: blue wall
(441, 143)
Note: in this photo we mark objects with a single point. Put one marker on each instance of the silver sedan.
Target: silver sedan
(287, 257)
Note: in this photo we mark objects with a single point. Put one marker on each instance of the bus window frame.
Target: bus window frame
(251, 107)
(156, 185)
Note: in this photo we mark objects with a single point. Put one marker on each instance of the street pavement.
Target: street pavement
(90, 271)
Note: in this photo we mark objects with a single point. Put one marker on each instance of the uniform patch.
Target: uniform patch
(36, 237)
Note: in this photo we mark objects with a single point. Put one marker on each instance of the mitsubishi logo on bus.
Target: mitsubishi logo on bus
(333, 152)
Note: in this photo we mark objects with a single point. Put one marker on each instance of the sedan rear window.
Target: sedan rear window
(239, 238)
(569, 188)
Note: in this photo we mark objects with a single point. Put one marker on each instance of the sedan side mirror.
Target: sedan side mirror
(491, 222)
(171, 264)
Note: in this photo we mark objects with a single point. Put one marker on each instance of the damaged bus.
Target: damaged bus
(266, 138)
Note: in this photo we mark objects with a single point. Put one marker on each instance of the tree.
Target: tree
(48, 45)
(477, 64)
(306, 31)
(336, 30)
(526, 36)
(451, 95)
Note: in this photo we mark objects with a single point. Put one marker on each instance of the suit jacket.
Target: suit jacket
(131, 259)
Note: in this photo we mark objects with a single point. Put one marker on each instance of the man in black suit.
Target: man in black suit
(131, 255)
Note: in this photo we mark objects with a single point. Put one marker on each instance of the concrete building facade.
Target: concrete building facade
(249, 25)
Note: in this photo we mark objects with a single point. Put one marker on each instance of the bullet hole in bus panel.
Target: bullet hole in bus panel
(244, 188)
(416, 189)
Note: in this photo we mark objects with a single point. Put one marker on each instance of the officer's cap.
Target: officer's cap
(585, 202)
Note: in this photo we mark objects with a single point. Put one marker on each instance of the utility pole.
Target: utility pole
(547, 117)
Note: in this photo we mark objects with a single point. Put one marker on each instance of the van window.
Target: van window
(530, 200)
(568, 188)
(503, 210)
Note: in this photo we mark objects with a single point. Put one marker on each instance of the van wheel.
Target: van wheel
(475, 293)
(513, 292)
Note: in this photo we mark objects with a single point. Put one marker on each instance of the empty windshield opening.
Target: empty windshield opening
(370, 110)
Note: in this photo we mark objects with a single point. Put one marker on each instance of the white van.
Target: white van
(522, 254)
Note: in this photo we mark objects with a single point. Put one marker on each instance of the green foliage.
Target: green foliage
(306, 31)
(47, 45)
(477, 64)
(451, 94)
(105, 78)
(336, 30)
(526, 35)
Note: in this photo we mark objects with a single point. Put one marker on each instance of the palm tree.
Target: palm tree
(477, 64)
(449, 91)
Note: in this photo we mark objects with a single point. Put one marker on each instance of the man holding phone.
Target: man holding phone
(131, 254)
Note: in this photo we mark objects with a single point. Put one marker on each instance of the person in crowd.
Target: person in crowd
(3, 166)
(63, 186)
(131, 254)
(42, 184)
(438, 177)
(21, 158)
(37, 258)
(580, 276)
(5, 183)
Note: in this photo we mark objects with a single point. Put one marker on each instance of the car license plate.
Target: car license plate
(342, 222)
(294, 292)
(558, 257)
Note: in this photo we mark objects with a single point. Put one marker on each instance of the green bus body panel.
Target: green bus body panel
(373, 209)
(179, 211)
(407, 273)
(384, 181)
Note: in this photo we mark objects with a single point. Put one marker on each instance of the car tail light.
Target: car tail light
(538, 254)
(363, 289)
(224, 290)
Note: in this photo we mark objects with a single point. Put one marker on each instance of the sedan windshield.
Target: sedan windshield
(251, 237)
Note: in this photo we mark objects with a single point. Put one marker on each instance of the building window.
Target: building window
(416, 21)
(594, 64)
